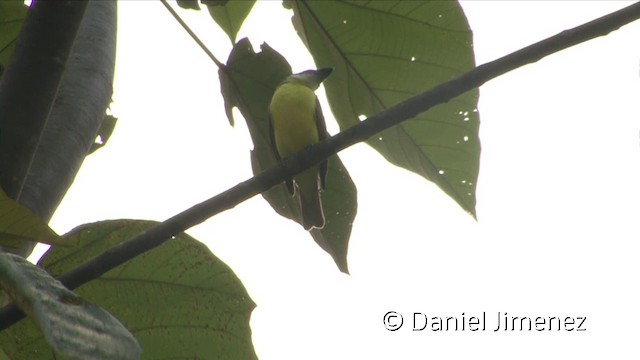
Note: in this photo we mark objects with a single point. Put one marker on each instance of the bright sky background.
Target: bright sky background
(558, 194)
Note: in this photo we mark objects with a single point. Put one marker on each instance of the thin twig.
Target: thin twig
(191, 33)
(309, 157)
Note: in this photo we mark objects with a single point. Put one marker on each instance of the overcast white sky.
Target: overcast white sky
(558, 195)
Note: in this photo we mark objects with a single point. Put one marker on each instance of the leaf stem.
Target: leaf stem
(192, 34)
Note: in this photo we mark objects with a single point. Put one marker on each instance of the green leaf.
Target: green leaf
(74, 328)
(12, 14)
(229, 15)
(18, 224)
(178, 299)
(247, 84)
(387, 51)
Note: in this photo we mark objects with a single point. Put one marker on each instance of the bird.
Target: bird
(295, 123)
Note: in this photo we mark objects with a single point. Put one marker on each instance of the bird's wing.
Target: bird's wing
(322, 134)
(274, 148)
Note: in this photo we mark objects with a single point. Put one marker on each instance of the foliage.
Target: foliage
(383, 53)
(87, 332)
(17, 223)
(179, 300)
(245, 85)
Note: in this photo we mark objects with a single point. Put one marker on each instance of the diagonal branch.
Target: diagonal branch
(30, 83)
(83, 95)
(28, 90)
(305, 159)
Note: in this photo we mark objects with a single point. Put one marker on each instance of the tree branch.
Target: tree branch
(305, 159)
(30, 83)
(83, 96)
(28, 90)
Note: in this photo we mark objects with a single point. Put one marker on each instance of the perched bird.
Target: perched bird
(296, 122)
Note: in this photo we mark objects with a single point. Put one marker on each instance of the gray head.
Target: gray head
(311, 78)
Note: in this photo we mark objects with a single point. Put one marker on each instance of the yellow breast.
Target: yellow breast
(293, 109)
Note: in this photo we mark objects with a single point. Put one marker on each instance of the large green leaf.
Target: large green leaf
(178, 300)
(74, 328)
(386, 51)
(12, 14)
(248, 82)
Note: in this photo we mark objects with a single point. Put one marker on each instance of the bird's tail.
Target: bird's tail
(310, 205)
(312, 214)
